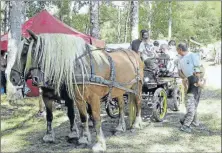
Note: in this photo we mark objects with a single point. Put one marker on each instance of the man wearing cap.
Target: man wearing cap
(189, 70)
(135, 44)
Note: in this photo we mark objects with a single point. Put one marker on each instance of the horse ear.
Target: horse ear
(32, 34)
(27, 40)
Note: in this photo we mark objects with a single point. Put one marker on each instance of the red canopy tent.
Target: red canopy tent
(44, 22)
(4, 42)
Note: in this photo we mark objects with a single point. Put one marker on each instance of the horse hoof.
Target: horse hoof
(120, 129)
(90, 124)
(138, 123)
(49, 138)
(73, 135)
(84, 140)
(41, 114)
(99, 147)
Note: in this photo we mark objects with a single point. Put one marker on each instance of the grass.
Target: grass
(22, 131)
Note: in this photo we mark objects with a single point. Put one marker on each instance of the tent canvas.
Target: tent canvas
(44, 22)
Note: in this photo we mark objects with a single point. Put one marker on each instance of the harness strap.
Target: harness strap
(112, 77)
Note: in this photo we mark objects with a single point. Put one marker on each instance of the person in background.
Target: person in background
(217, 59)
(156, 46)
(146, 51)
(192, 100)
(174, 56)
(189, 70)
(3, 61)
(135, 44)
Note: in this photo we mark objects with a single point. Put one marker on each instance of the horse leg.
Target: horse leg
(89, 110)
(71, 114)
(138, 121)
(85, 137)
(122, 125)
(41, 112)
(101, 143)
(50, 136)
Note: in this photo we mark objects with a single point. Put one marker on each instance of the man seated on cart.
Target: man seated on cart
(147, 52)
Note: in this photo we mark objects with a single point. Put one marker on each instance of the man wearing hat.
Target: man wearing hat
(189, 69)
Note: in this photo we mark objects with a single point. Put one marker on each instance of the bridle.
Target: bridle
(22, 78)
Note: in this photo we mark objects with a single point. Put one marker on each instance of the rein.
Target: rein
(20, 73)
(86, 53)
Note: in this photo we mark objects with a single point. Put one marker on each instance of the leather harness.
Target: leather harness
(98, 80)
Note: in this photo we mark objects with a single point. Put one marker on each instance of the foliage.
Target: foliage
(198, 19)
(80, 22)
(34, 7)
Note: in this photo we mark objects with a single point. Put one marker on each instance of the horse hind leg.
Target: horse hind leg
(100, 142)
(121, 125)
(136, 99)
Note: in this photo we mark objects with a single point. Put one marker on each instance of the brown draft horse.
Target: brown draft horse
(60, 59)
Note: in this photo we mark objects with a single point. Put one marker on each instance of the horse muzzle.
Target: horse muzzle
(36, 81)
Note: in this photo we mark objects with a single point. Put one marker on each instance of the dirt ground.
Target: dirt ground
(22, 131)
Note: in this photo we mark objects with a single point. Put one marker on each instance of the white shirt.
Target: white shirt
(147, 50)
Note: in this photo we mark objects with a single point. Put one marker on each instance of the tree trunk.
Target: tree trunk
(134, 19)
(150, 17)
(119, 24)
(16, 19)
(94, 19)
(126, 24)
(170, 21)
(5, 25)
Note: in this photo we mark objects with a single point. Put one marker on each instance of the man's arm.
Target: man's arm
(201, 83)
(181, 74)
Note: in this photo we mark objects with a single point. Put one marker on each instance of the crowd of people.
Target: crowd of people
(181, 61)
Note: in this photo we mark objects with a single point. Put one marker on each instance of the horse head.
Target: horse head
(17, 72)
(35, 57)
(21, 68)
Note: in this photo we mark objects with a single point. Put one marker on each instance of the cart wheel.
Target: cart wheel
(160, 104)
(177, 98)
(112, 109)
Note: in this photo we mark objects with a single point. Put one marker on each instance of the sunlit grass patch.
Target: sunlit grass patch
(19, 123)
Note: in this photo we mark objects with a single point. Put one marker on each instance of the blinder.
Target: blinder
(22, 78)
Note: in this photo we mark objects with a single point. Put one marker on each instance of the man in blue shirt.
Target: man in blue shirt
(186, 69)
(187, 61)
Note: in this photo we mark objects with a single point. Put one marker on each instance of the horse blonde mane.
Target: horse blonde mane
(59, 58)
(17, 62)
